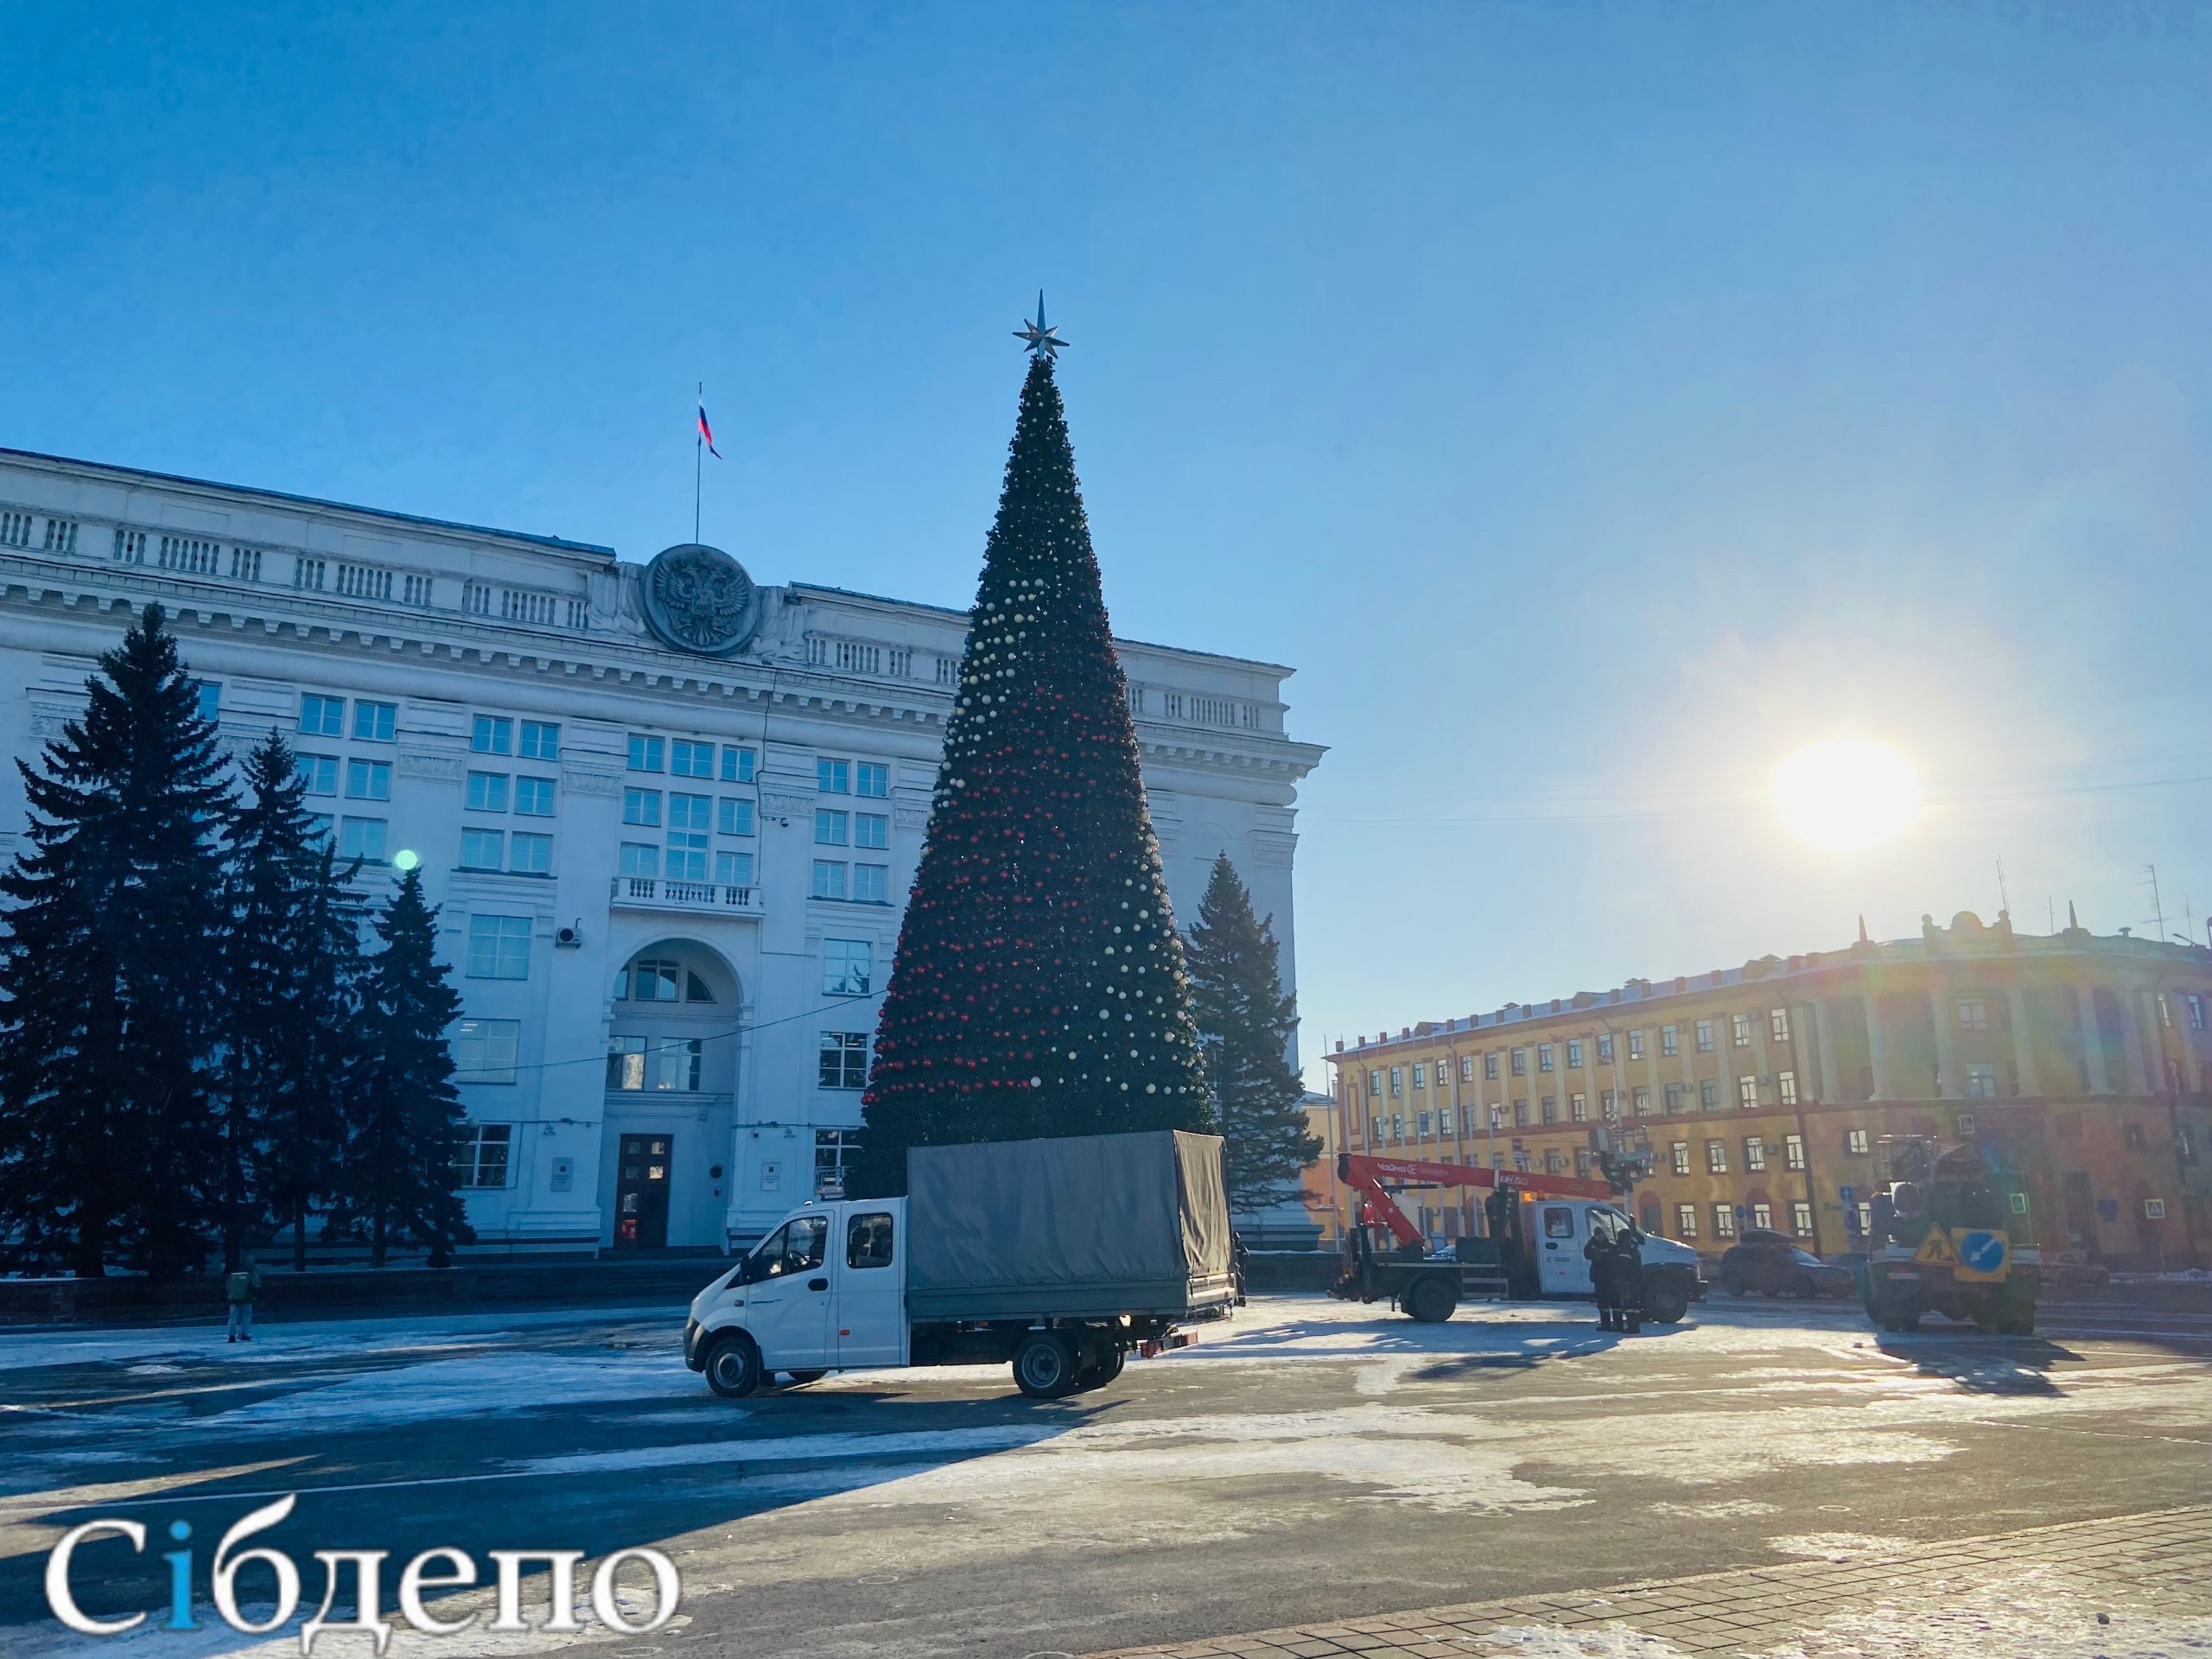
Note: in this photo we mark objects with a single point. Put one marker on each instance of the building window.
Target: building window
(208, 703)
(1604, 1048)
(1421, 1074)
(1554, 1161)
(1466, 1068)
(646, 753)
(541, 739)
(1686, 1221)
(534, 797)
(362, 838)
(1544, 1057)
(1551, 1108)
(1490, 1067)
(734, 869)
(2131, 1137)
(498, 947)
(484, 1049)
(1578, 1109)
(368, 780)
(689, 759)
(834, 1153)
(1793, 1151)
(1670, 1040)
(1724, 1221)
(735, 817)
(1974, 1014)
(830, 828)
(1375, 1128)
(1375, 1083)
(1864, 1213)
(1785, 1087)
(833, 777)
(1800, 1218)
(1709, 1093)
(872, 830)
(1754, 1154)
(1582, 1163)
(486, 791)
(1423, 1125)
(2195, 1004)
(1635, 1045)
(844, 1059)
(321, 717)
(641, 806)
(1640, 1097)
(376, 722)
(872, 883)
(640, 860)
(1681, 1151)
(1778, 1024)
(1981, 1083)
(737, 765)
(871, 779)
(1574, 1054)
(492, 735)
(1763, 1216)
(1520, 1062)
(661, 1064)
(1674, 1095)
(1521, 1114)
(1854, 1141)
(688, 817)
(529, 855)
(829, 879)
(479, 1156)
(1739, 1030)
(1747, 1092)
(481, 849)
(1716, 1157)
(848, 967)
(1397, 1080)
(1705, 1036)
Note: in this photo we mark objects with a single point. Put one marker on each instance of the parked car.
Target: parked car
(2060, 1273)
(1764, 1260)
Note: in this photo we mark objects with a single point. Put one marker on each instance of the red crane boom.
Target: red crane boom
(1367, 1176)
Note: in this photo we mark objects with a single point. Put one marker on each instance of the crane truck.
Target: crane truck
(1538, 1227)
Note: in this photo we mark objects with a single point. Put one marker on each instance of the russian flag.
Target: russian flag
(706, 432)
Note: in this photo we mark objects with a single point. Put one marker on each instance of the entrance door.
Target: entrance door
(1560, 1270)
(2080, 1211)
(641, 1194)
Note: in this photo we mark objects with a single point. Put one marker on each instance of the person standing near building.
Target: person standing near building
(238, 1288)
(1601, 1252)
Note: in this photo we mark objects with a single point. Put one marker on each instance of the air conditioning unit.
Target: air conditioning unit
(569, 938)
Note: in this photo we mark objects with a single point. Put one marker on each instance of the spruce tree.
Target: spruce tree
(397, 1182)
(292, 957)
(109, 980)
(1245, 1026)
(1038, 987)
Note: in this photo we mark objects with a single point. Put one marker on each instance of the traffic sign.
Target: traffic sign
(1850, 1194)
(1935, 1249)
(1983, 1254)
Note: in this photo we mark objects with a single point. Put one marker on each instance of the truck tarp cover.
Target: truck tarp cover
(1089, 1225)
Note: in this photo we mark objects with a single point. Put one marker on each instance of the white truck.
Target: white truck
(1059, 1257)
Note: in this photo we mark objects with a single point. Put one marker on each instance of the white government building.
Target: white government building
(671, 817)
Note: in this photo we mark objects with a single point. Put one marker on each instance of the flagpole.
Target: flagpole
(698, 465)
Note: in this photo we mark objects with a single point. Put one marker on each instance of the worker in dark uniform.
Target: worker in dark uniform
(1628, 1276)
(1604, 1274)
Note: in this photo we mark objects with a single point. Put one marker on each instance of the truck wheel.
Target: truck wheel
(1431, 1301)
(733, 1366)
(1098, 1375)
(1044, 1365)
(1733, 1282)
(1665, 1302)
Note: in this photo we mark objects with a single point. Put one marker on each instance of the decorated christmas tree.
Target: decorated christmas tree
(1038, 987)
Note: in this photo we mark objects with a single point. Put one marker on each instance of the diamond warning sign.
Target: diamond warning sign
(1935, 1249)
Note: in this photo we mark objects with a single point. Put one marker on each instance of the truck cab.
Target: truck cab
(1557, 1230)
(824, 1291)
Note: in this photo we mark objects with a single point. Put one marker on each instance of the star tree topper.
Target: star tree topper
(1042, 341)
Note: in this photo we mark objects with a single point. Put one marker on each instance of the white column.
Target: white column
(1876, 1052)
(1824, 1033)
(2093, 1041)
(1947, 1047)
(2024, 1050)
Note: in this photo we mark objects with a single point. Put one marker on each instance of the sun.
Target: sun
(1846, 793)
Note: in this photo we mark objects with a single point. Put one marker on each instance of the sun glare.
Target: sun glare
(1846, 793)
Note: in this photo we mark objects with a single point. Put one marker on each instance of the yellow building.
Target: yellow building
(1762, 1092)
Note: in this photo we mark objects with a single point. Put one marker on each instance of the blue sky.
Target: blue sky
(1595, 401)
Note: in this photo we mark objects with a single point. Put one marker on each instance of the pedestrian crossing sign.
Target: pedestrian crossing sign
(1935, 1249)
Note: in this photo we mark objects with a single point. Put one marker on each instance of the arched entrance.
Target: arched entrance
(670, 1087)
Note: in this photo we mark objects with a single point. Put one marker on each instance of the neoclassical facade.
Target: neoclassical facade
(669, 816)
